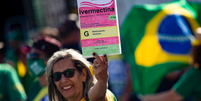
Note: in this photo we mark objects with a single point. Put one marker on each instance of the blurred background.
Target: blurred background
(40, 13)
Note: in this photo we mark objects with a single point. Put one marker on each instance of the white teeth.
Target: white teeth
(66, 87)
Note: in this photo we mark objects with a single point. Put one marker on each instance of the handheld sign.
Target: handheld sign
(99, 27)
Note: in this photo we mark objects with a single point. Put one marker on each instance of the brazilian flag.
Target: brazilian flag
(156, 40)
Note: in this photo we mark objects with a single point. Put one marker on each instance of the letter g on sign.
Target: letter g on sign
(86, 33)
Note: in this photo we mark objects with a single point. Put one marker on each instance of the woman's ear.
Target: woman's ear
(84, 74)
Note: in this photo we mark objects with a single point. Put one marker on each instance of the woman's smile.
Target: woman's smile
(70, 77)
(69, 86)
(66, 87)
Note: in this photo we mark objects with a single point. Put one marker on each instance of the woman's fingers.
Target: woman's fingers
(104, 58)
(100, 68)
(95, 64)
(100, 60)
(97, 58)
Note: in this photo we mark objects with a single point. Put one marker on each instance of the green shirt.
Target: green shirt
(11, 88)
(37, 92)
(25, 77)
(190, 84)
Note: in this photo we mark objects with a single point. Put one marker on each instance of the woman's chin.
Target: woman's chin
(68, 93)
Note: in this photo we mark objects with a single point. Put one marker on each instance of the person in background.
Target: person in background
(43, 48)
(119, 79)
(11, 88)
(189, 84)
(50, 31)
(70, 35)
(16, 51)
(70, 79)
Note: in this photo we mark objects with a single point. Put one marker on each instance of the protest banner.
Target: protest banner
(99, 27)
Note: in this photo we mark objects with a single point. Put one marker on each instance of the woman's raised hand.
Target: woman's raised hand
(100, 67)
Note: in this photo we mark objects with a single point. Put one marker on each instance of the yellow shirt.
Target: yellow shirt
(109, 96)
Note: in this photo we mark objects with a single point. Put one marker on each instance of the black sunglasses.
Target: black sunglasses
(67, 73)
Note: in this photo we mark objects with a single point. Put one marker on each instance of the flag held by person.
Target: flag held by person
(156, 39)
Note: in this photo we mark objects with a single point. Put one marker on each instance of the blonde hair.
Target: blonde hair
(79, 62)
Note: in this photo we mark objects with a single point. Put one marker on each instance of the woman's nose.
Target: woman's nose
(63, 78)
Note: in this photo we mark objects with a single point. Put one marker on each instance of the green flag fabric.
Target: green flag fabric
(156, 40)
(197, 7)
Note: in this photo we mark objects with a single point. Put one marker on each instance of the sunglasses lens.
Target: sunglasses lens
(69, 73)
(56, 76)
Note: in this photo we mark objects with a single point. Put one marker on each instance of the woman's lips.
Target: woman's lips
(67, 87)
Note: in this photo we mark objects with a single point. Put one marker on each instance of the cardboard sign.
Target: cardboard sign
(99, 27)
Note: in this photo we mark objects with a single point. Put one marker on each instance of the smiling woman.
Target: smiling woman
(69, 78)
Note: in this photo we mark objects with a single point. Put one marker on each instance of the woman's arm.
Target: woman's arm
(170, 95)
(98, 91)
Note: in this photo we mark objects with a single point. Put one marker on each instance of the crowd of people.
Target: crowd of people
(34, 73)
